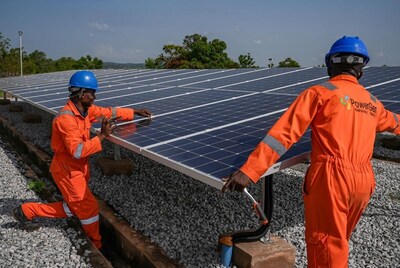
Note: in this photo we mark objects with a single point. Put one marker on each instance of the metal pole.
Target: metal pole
(117, 152)
(20, 50)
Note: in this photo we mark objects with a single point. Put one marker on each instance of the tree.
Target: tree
(246, 61)
(4, 50)
(196, 52)
(4, 46)
(37, 61)
(153, 64)
(288, 62)
(41, 62)
(64, 64)
(174, 58)
(12, 62)
(89, 63)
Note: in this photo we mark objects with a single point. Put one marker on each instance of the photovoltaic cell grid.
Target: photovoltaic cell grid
(206, 121)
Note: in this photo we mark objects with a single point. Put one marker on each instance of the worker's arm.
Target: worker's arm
(286, 131)
(123, 114)
(387, 121)
(73, 138)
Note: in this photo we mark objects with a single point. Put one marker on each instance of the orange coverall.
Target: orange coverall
(344, 119)
(72, 147)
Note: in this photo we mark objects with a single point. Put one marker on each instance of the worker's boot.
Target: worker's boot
(26, 224)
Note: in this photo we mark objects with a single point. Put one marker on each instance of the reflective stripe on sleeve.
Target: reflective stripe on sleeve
(114, 112)
(372, 97)
(64, 112)
(396, 119)
(90, 220)
(78, 151)
(328, 85)
(66, 210)
(275, 145)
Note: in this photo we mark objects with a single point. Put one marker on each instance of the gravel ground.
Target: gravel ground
(51, 245)
(185, 216)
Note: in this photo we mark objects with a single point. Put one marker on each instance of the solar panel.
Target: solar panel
(206, 121)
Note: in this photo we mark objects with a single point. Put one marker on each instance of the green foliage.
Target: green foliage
(153, 63)
(88, 63)
(4, 49)
(11, 63)
(196, 52)
(36, 186)
(288, 62)
(64, 64)
(246, 61)
(37, 61)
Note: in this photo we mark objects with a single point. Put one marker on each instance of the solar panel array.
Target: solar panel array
(206, 121)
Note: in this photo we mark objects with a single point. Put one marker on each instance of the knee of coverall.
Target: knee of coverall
(85, 208)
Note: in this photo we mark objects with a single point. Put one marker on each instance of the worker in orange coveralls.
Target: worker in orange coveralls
(72, 147)
(344, 118)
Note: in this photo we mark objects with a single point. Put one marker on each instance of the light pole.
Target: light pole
(20, 49)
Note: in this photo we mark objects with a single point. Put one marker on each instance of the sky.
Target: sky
(130, 31)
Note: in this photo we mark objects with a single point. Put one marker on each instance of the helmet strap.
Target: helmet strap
(80, 94)
(355, 70)
(75, 91)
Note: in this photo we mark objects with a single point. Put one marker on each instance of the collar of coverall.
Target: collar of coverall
(347, 77)
(75, 109)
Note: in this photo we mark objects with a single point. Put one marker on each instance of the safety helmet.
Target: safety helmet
(350, 45)
(83, 79)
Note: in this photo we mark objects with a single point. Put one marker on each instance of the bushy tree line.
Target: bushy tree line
(37, 61)
(196, 52)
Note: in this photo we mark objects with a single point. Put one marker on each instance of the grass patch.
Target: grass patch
(36, 186)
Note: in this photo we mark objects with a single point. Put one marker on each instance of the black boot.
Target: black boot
(26, 224)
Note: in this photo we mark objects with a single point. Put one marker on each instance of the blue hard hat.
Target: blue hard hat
(348, 44)
(84, 79)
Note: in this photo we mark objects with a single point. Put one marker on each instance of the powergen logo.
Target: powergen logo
(358, 106)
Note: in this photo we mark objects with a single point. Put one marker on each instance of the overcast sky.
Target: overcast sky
(133, 30)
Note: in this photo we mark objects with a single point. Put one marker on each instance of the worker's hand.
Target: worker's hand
(143, 112)
(107, 126)
(237, 181)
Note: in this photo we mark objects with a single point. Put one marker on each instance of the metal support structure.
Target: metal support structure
(20, 51)
(117, 152)
(267, 236)
(262, 233)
